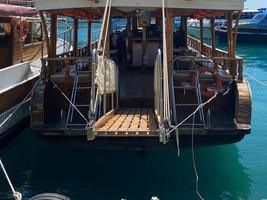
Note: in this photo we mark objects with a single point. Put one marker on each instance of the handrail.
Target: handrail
(158, 87)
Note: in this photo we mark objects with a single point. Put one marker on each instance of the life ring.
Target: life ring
(218, 81)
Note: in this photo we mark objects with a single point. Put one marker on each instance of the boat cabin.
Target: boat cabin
(143, 81)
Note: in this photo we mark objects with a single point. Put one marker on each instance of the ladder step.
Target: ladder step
(79, 105)
(186, 104)
(82, 88)
(184, 87)
(77, 124)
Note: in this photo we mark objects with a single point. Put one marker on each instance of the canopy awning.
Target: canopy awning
(12, 10)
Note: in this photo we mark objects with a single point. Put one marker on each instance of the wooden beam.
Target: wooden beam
(236, 30)
(230, 33)
(201, 36)
(75, 37)
(89, 36)
(44, 27)
(53, 42)
(213, 42)
(184, 29)
(53, 35)
(169, 30)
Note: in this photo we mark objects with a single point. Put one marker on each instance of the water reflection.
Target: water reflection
(84, 174)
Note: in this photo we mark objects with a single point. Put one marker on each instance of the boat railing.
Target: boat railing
(234, 66)
(158, 87)
(63, 62)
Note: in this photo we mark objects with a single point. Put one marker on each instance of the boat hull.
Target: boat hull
(243, 37)
(207, 138)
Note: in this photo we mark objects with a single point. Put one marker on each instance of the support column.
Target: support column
(53, 35)
(201, 37)
(230, 34)
(75, 37)
(213, 42)
(53, 41)
(184, 30)
(89, 42)
(230, 38)
(169, 31)
(44, 28)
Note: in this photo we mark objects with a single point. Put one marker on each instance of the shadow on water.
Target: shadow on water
(83, 174)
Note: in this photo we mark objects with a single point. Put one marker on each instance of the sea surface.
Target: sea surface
(227, 172)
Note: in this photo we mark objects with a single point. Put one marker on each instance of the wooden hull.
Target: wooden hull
(141, 143)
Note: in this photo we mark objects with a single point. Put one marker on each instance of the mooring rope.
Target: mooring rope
(70, 102)
(193, 157)
(193, 113)
(16, 195)
(255, 79)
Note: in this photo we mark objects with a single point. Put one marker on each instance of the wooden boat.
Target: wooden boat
(139, 87)
(21, 48)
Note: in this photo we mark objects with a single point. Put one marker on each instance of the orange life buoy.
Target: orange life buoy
(218, 81)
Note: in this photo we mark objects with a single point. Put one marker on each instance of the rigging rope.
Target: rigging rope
(70, 101)
(16, 195)
(18, 106)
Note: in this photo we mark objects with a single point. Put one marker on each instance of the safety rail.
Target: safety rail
(158, 82)
(60, 64)
(233, 65)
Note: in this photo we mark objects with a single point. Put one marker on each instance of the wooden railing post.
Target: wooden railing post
(67, 69)
(240, 70)
(213, 45)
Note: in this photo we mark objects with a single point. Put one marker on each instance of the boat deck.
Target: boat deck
(128, 122)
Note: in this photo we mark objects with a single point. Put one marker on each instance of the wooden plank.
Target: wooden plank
(127, 122)
(104, 119)
(136, 121)
(144, 120)
(118, 123)
(110, 122)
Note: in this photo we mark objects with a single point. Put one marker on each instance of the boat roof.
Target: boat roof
(7, 10)
(128, 5)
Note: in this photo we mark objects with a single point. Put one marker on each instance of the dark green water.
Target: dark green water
(237, 171)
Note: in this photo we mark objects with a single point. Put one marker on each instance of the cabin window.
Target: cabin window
(258, 17)
(5, 34)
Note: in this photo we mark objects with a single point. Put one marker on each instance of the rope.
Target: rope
(16, 195)
(166, 106)
(258, 81)
(17, 107)
(193, 157)
(70, 101)
(102, 26)
(193, 113)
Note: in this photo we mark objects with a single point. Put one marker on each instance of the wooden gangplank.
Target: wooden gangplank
(128, 122)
